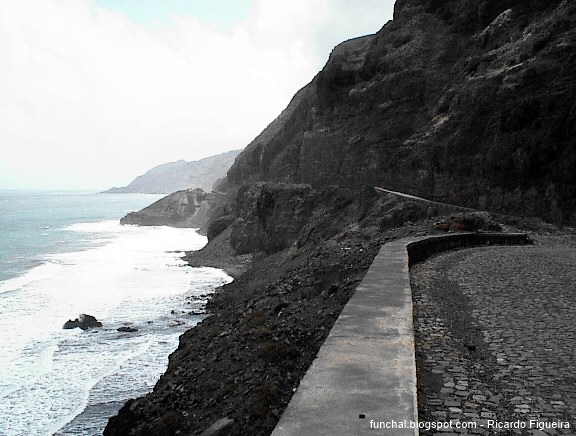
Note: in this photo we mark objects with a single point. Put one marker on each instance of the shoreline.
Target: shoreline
(244, 361)
(218, 254)
(118, 275)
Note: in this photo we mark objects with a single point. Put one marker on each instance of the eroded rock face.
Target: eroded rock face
(187, 208)
(273, 216)
(467, 102)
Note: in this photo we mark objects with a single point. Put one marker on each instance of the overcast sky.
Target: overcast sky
(95, 92)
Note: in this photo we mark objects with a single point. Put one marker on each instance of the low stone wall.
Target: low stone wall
(364, 378)
(422, 249)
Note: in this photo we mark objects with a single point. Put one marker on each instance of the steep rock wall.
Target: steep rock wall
(468, 102)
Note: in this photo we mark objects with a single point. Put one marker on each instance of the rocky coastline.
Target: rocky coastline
(243, 362)
(465, 102)
(187, 208)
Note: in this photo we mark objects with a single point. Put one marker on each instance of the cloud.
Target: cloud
(89, 98)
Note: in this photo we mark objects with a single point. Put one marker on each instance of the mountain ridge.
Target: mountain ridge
(181, 175)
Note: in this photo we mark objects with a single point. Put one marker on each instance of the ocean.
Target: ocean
(63, 254)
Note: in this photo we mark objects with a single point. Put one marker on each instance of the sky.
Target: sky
(96, 92)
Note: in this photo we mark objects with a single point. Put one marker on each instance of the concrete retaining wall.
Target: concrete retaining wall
(426, 247)
(363, 380)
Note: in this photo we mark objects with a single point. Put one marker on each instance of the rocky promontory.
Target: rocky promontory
(187, 208)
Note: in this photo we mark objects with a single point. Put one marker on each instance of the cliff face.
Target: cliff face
(467, 102)
(271, 217)
(180, 209)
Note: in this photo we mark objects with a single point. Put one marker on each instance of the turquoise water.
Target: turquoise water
(35, 223)
(63, 254)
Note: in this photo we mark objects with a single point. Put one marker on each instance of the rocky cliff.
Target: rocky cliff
(463, 101)
(310, 248)
(181, 175)
(187, 208)
(468, 102)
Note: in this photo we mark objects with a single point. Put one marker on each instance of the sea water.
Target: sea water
(63, 254)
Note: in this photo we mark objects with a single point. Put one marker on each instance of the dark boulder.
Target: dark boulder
(83, 321)
(127, 329)
(71, 324)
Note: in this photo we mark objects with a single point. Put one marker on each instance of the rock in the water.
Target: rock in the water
(127, 329)
(71, 324)
(83, 321)
(88, 321)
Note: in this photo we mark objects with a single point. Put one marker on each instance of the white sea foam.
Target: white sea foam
(131, 275)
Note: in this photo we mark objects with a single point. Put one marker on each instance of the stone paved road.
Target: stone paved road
(495, 332)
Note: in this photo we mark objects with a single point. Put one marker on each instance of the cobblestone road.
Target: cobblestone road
(495, 332)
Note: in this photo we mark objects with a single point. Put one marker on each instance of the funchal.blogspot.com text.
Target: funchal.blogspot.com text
(455, 425)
